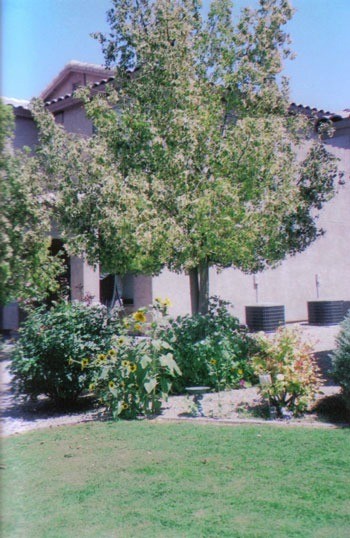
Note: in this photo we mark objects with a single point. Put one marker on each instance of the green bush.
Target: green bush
(341, 360)
(211, 349)
(136, 374)
(53, 347)
(294, 376)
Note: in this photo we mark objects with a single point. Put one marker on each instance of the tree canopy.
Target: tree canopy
(195, 158)
(26, 268)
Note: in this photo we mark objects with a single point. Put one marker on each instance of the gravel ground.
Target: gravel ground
(229, 406)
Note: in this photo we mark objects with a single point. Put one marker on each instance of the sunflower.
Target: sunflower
(101, 357)
(133, 367)
(139, 316)
(121, 340)
(213, 362)
(84, 363)
(125, 364)
(111, 384)
(112, 352)
(163, 302)
(125, 406)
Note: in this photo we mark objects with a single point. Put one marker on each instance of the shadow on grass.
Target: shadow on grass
(332, 409)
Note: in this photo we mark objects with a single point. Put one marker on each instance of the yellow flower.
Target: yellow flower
(84, 363)
(125, 364)
(125, 406)
(213, 361)
(111, 384)
(101, 357)
(240, 372)
(163, 302)
(112, 352)
(121, 340)
(138, 327)
(133, 367)
(92, 387)
(126, 323)
(139, 316)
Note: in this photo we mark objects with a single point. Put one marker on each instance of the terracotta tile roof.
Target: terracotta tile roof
(70, 95)
(334, 116)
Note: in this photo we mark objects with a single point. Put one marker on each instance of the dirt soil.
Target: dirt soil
(232, 407)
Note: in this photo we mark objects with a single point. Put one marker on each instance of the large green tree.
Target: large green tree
(27, 270)
(195, 158)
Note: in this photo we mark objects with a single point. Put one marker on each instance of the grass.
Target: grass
(144, 479)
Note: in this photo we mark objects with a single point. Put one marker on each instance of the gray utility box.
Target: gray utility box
(326, 312)
(265, 317)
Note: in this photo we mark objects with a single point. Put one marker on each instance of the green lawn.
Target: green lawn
(176, 480)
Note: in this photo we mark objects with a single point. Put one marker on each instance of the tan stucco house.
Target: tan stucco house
(322, 271)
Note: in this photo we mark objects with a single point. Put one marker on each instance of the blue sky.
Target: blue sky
(40, 36)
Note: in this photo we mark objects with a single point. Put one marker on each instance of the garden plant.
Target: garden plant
(341, 360)
(53, 346)
(136, 374)
(211, 349)
(294, 376)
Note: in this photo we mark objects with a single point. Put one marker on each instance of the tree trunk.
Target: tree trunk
(194, 290)
(199, 288)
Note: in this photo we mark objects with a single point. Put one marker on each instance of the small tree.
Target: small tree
(199, 164)
(26, 268)
(341, 360)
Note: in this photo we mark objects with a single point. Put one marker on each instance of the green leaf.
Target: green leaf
(150, 385)
(145, 361)
(168, 361)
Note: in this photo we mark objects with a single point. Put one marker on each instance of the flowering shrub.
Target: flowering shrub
(51, 355)
(136, 373)
(211, 349)
(341, 360)
(289, 362)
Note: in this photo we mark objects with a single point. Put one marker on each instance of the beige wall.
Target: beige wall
(143, 294)
(85, 280)
(176, 288)
(25, 132)
(75, 121)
